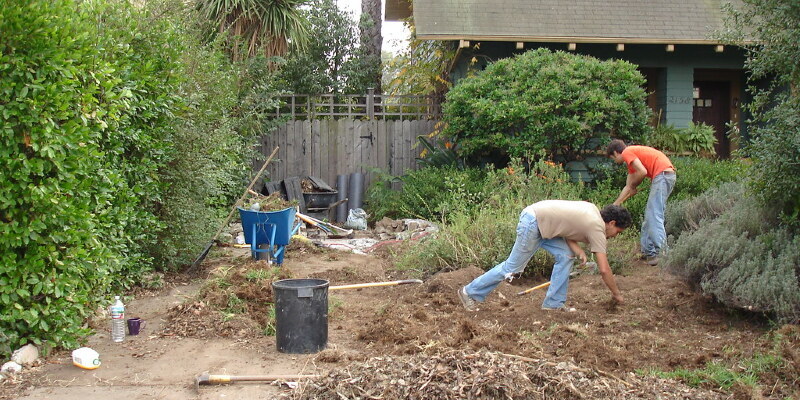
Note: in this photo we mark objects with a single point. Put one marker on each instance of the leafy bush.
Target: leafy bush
(430, 193)
(543, 100)
(740, 255)
(767, 29)
(697, 175)
(102, 142)
(696, 138)
(57, 188)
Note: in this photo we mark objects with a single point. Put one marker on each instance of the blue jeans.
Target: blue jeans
(529, 239)
(654, 235)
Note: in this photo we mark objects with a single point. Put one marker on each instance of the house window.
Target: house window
(702, 103)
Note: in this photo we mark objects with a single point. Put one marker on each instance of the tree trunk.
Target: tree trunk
(371, 37)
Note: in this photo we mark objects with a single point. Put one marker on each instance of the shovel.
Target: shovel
(206, 379)
(591, 265)
(374, 284)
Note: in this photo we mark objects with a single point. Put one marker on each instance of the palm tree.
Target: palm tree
(269, 27)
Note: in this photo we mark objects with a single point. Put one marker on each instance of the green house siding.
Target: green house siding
(678, 92)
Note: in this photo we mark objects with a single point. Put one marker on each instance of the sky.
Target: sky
(394, 33)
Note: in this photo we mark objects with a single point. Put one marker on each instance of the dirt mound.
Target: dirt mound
(236, 302)
(485, 375)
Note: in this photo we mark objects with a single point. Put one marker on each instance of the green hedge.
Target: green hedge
(112, 159)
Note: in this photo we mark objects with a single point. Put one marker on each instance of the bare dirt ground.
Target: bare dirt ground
(663, 325)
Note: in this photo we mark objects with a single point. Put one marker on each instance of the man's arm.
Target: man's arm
(632, 182)
(608, 277)
(577, 251)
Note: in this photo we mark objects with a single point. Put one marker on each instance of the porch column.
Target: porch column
(679, 88)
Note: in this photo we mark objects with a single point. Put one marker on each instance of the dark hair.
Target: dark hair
(617, 213)
(617, 146)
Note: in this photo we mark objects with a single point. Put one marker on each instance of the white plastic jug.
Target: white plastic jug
(86, 358)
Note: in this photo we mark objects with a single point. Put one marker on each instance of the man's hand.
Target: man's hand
(577, 251)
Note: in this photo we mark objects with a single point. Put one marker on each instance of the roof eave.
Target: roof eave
(565, 39)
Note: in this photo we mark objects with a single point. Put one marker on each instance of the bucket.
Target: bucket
(301, 315)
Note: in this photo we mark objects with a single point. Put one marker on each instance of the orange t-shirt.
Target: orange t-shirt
(654, 161)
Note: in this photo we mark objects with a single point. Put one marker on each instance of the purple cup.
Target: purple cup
(134, 325)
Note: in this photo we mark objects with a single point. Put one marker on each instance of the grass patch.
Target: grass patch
(747, 372)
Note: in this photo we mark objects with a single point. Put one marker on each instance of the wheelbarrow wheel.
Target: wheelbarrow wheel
(264, 255)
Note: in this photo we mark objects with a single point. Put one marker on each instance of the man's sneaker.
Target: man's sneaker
(562, 308)
(466, 301)
(652, 261)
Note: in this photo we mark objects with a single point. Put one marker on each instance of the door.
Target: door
(712, 107)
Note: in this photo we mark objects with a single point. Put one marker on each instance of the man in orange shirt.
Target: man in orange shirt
(643, 161)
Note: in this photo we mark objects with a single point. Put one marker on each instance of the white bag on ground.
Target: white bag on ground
(356, 219)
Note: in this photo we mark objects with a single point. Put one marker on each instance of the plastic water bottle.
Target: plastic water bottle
(117, 320)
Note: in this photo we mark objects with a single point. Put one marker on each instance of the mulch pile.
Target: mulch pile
(273, 202)
(458, 374)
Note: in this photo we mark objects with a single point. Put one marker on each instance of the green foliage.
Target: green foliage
(256, 27)
(769, 29)
(438, 156)
(112, 161)
(740, 255)
(324, 64)
(62, 224)
(422, 67)
(697, 175)
(430, 193)
(543, 100)
(749, 371)
(696, 138)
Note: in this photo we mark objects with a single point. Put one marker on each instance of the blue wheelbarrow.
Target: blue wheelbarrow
(268, 233)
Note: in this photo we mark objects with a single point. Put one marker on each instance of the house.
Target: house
(691, 76)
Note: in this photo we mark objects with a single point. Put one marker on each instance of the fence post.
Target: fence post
(370, 103)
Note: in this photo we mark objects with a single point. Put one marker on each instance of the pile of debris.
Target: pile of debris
(459, 374)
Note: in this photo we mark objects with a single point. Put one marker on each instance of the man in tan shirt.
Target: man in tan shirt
(557, 226)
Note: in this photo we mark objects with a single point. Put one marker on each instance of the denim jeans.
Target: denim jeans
(529, 239)
(654, 235)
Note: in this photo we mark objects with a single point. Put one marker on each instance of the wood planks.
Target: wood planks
(326, 148)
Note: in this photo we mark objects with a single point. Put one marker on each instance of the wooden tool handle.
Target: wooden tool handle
(544, 285)
(374, 284)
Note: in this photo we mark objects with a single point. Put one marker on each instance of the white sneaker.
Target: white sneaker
(466, 301)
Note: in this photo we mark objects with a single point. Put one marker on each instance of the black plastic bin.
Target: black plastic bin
(301, 315)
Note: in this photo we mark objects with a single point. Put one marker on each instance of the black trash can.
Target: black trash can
(301, 315)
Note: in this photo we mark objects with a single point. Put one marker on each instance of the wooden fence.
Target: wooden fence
(326, 148)
(372, 131)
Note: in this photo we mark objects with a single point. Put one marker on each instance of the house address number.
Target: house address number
(679, 100)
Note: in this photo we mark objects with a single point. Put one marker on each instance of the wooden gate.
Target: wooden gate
(330, 135)
(326, 148)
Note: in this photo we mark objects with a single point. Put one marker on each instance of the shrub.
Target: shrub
(57, 188)
(543, 100)
(101, 142)
(697, 175)
(430, 193)
(696, 138)
(767, 30)
(688, 214)
(740, 255)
